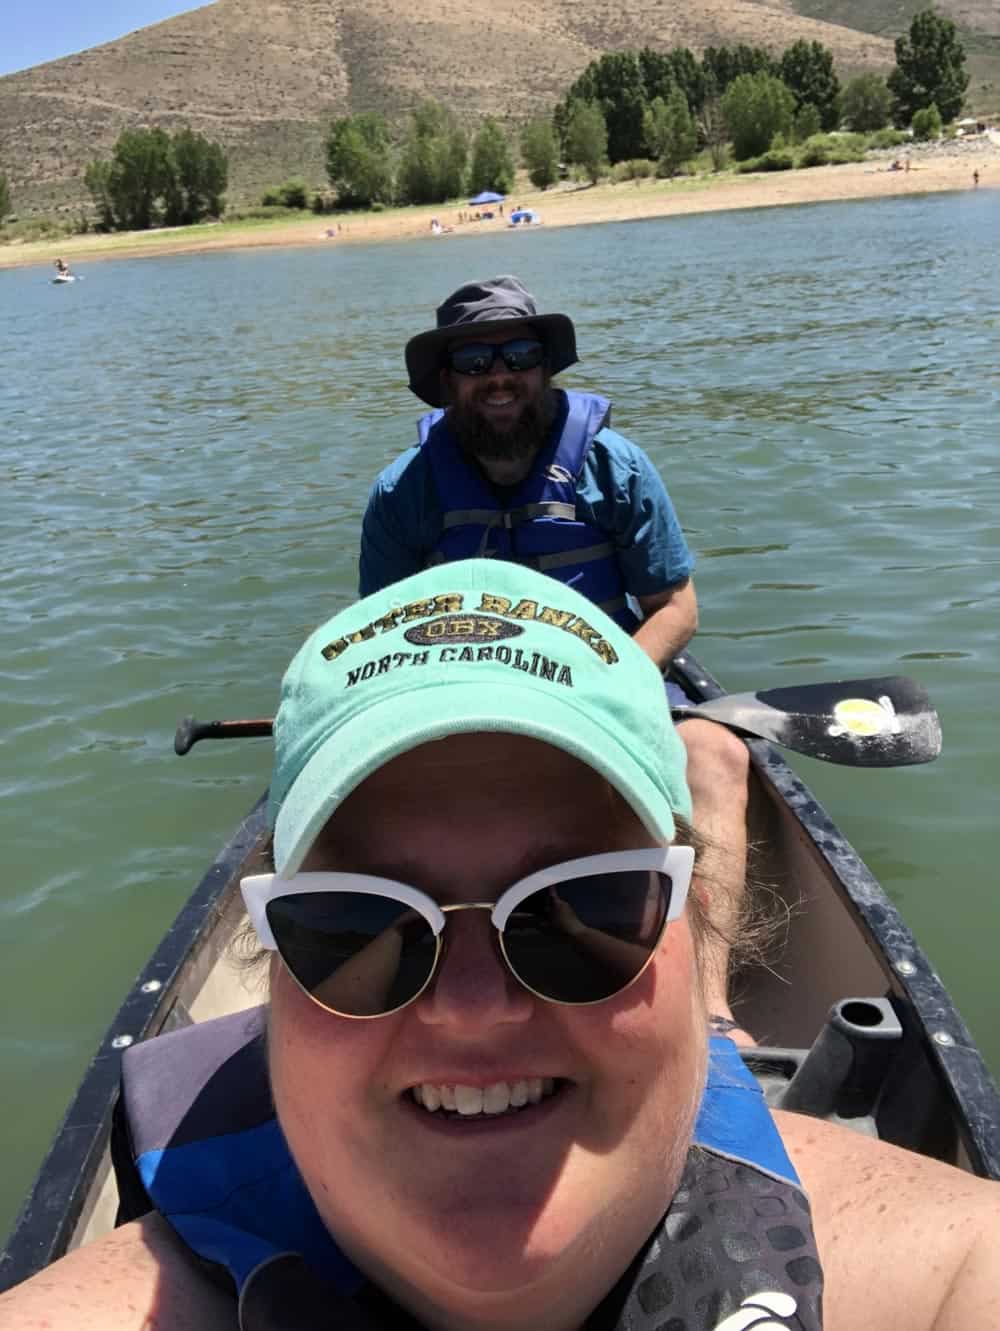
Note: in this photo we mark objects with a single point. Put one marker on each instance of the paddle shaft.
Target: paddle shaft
(883, 722)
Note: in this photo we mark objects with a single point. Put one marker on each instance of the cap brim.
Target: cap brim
(405, 721)
(424, 353)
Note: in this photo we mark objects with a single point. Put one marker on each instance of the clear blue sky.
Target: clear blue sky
(33, 31)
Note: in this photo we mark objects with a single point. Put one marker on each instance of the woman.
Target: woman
(486, 1040)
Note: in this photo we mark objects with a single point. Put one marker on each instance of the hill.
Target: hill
(266, 78)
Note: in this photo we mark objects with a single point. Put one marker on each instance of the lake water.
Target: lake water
(186, 449)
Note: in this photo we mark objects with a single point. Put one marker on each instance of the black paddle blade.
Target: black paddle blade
(885, 722)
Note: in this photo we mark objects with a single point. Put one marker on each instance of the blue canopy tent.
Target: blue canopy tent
(487, 196)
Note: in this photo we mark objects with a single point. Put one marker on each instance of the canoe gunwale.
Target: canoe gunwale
(45, 1227)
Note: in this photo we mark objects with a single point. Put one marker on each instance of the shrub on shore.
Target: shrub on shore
(927, 123)
(636, 168)
(888, 138)
(292, 194)
(832, 150)
(262, 212)
(775, 159)
(28, 229)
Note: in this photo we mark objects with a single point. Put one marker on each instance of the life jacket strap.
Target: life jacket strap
(602, 551)
(507, 517)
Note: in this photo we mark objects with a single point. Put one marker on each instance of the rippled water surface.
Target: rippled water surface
(186, 449)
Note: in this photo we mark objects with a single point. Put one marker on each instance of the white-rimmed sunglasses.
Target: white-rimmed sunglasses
(575, 933)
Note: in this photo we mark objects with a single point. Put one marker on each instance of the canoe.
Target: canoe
(854, 1023)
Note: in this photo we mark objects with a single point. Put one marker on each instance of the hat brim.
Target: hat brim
(425, 352)
(404, 722)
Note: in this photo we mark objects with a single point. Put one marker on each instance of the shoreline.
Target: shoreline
(932, 171)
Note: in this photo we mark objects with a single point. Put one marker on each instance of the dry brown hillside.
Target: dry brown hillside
(266, 76)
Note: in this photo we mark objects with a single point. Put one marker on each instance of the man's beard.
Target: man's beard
(482, 440)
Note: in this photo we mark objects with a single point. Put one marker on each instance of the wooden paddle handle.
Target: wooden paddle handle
(191, 730)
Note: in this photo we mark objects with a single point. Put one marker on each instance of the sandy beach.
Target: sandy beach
(933, 167)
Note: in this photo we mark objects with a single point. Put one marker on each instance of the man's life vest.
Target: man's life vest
(537, 523)
(197, 1139)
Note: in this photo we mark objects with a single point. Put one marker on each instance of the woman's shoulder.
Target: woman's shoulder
(137, 1278)
(903, 1239)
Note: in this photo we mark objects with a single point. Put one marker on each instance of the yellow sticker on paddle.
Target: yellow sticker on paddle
(862, 716)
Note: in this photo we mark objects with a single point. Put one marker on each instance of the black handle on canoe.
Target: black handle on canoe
(190, 731)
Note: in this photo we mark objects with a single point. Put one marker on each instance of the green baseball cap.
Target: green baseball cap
(474, 646)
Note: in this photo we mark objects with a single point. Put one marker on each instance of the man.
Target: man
(510, 467)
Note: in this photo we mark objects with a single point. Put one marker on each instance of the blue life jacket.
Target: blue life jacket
(736, 1242)
(538, 524)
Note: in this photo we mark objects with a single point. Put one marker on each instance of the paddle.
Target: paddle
(887, 722)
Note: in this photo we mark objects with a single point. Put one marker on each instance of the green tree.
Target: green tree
(866, 103)
(4, 196)
(657, 72)
(540, 152)
(615, 82)
(670, 131)
(97, 178)
(689, 77)
(807, 123)
(927, 123)
(587, 139)
(807, 69)
(663, 71)
(714, 132)
(200, 175)
(721, 65)
(358, 160)
(492, 164)
(141, 176)
(930, 68)
(432, 164)
(655, 125)
(756, 107)
(152, 177)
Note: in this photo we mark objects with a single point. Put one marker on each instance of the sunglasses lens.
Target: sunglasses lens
(586, 939)
(521, 353)
(473, 358)
(358, 955)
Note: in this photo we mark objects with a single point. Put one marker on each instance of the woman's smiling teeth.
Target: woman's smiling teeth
(469, 1101)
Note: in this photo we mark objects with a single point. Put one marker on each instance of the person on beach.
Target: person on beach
(509, 466)
(483, 1095)
(975, 179)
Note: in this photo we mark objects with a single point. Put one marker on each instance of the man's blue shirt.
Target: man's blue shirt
(619, 491)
